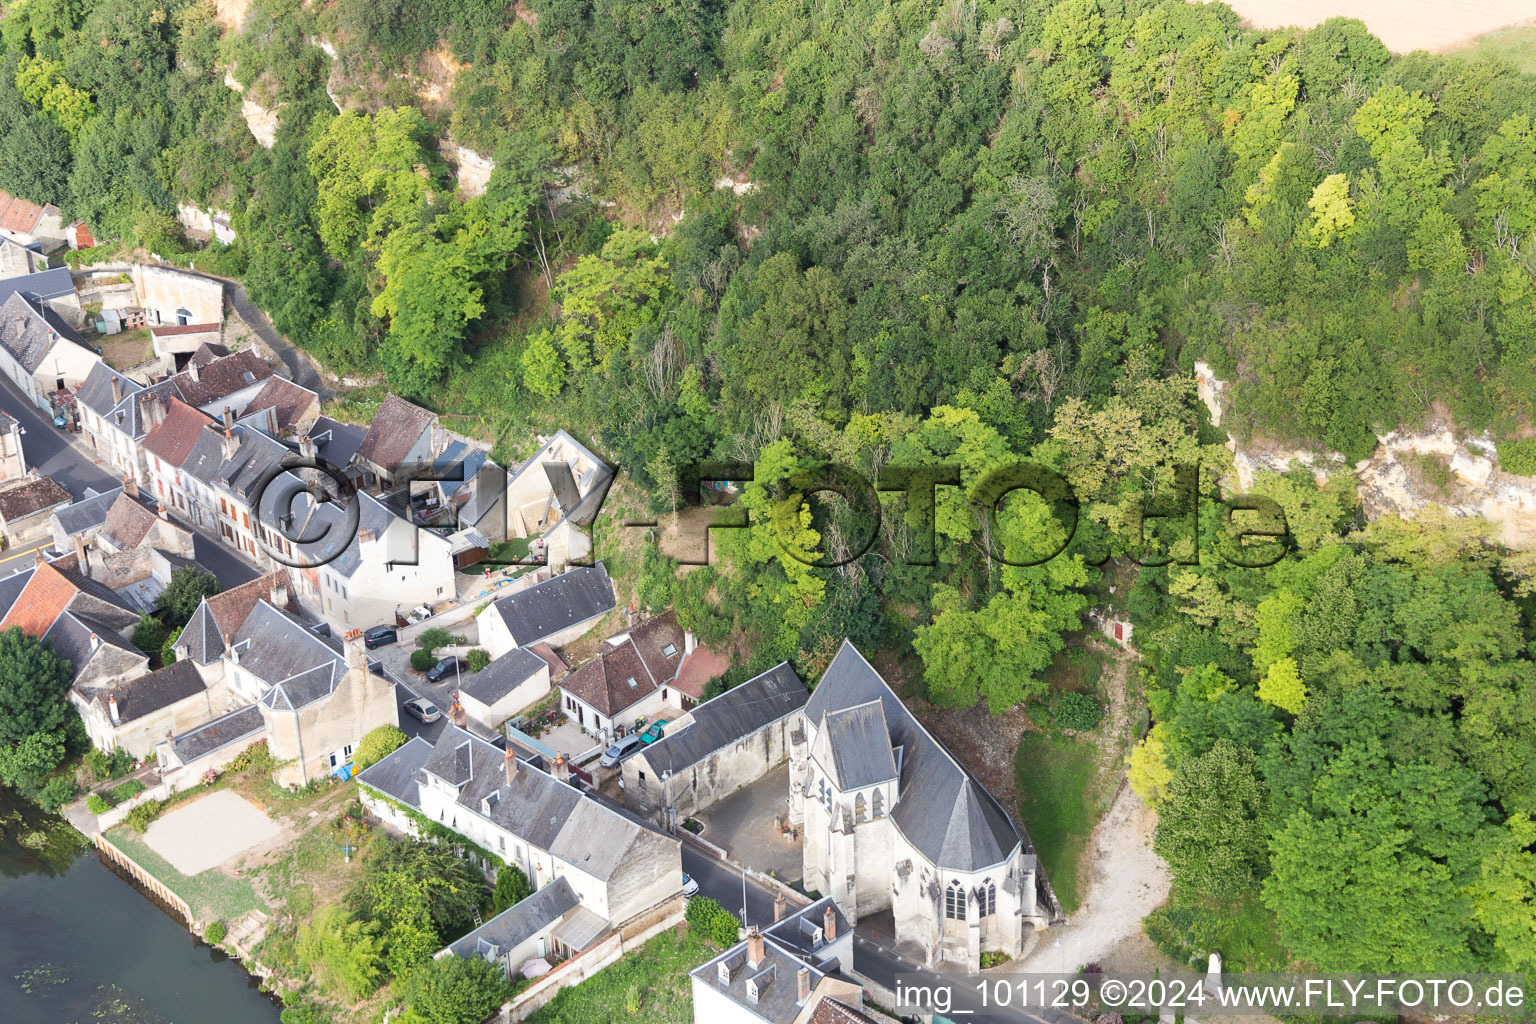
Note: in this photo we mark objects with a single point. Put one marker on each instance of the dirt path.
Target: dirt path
(1122, 880)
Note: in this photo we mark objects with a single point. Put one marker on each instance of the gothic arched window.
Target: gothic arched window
(879, 804)
(987, 897)
(954, 902)
(860, 810)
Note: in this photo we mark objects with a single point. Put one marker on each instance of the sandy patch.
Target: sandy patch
(208, 832)
(1403, 25)
(1127, 882)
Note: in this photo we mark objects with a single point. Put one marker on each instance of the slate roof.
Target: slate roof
(941, 809)
(87, 513)
(222, 377)
(322, 528)
(29, 330)
(255, 455)
(797, 932)
(298, 666)
(70, 638)
(542, 811)
(223, 614)
(396, 775)
(42, 285)
(395, 429)
(775, 976)
(518, 923)
(502, 676)
(150, 693)
(549, 607)
(174, 439)
(732, 716)
(10, 589)
(854, 745)
(336, 442)
(243, 724)
(96, 390)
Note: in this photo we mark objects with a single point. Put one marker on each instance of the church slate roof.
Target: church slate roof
(946, 814)
(857, 746)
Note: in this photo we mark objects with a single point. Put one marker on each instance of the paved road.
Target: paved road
(410, 725)
(721, 882)
(16, 559)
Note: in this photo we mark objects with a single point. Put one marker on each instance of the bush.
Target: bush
(140, 817)
(422, 659)
(709, 920)
(1077, 711)
(431, 639)
(455, 990)
(511, 888)
(149, 635)
(105, 765)
(1517, 457)
(168, 649)
(96, 805)
(57, 792)
(477, 659)
(377, 745)
(128, 790)
(215, 933)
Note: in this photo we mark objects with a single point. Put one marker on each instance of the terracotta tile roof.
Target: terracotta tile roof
(81, 235)
(290, 402)
(232, 607)
(612, 681)
(18, 214)
(654, 639)
(171, 330)
(831, 1011)
(557, 665)
(43, 600)
(172, 440)
(699, 666)
(127, 522)
(222, 377)
(31, 498)
(395, 429)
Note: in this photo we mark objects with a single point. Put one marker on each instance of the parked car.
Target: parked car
(653, 732)
(423, 709)
(619, 750)
(690, 885)
(380, 636)
(448, 666)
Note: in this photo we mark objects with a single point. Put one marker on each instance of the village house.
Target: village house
(13, 460)
(893, 823)
(39, 351)
(135, 714)
(281, 408)
(17, 258)
(789, 972)
(170, 296)
(401, 440)
(26, 505)
(623, 873)
(81, 520)
(554, 496)
(53, 289)
(133, 551)
(713, 750)
(170, 340)
(629, 679)
(81, 620)
(506, 686)
(555, 612)
(25, 222)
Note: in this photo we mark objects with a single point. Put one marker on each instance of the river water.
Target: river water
(80, 945)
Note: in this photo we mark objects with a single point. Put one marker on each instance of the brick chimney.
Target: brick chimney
(81, 555)
(231, 442)
(130, 486)
(509, 766)
(779, 903)
(162, 511)
(829, 923)
(117, 389)
(154, 410)
(307, 447)
(456, 713)
(802, 984)
(754, 948)
(356, 653)
(559, 768)
(229, 645)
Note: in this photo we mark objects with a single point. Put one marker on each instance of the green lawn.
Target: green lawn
(1515, 46)
(1054, 776)
(649, 984)
(212, 895)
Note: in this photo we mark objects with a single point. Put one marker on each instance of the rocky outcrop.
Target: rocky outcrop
(471, 170)
(261, 121)
(1474, 484)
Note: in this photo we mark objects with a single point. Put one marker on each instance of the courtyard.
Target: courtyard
(746, 825)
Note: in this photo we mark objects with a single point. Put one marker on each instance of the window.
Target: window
(668, 650)
(954, 902)
(987, 897)
(879, 803)
(501, 843)
(860, 810)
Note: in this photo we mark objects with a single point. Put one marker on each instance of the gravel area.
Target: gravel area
(208, 832)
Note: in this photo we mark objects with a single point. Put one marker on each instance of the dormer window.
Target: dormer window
(723, 972)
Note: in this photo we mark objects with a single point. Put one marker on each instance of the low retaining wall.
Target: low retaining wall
(148, 881)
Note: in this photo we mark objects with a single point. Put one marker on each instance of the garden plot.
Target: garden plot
(208, 832)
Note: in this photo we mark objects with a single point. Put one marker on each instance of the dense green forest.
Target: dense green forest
(967, 234)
